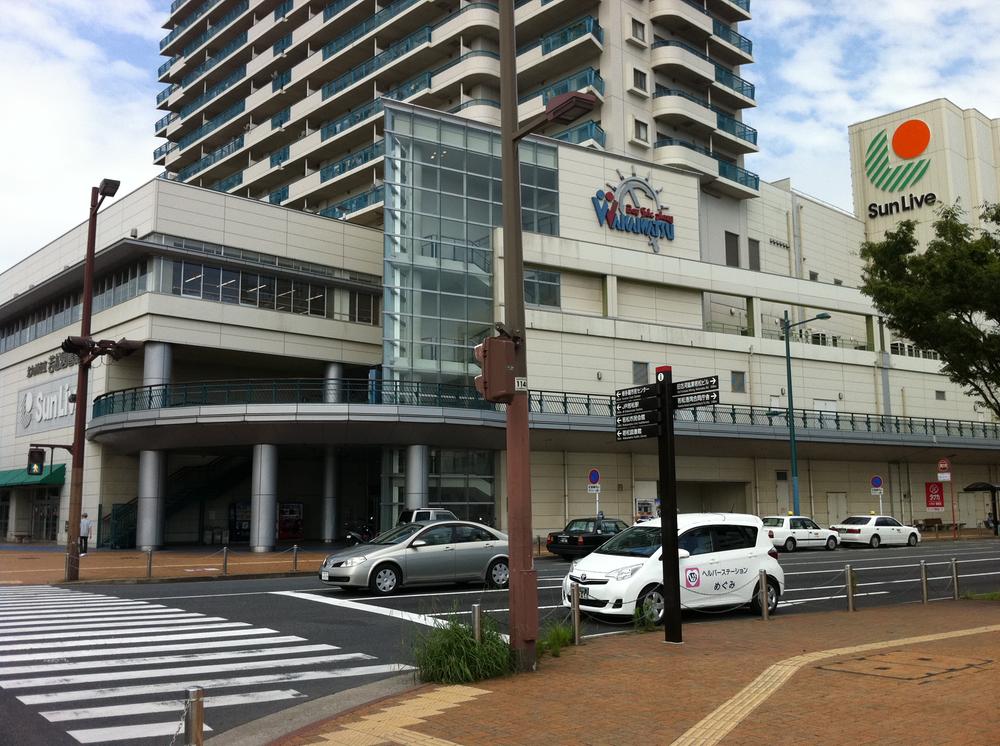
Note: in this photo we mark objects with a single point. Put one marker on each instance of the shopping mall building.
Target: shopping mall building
(310, 274)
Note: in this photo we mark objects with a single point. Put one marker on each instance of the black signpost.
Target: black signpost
(648, 412)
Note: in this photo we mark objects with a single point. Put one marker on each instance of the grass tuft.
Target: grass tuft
(992, 596)
(450, 654)
(554, 637)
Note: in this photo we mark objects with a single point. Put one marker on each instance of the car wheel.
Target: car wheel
(789, 544)
(912, 541)
(831, 544)
(875, 541)
(385, 580)
(498, 574)
(772, 597)
(652, 604)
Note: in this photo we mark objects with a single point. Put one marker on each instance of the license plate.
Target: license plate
(324, 576)
(564, 540)
(584, 591)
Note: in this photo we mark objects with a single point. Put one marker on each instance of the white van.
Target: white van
(720, 554)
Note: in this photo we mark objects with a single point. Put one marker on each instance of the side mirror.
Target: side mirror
(417, 543)
(683, 554)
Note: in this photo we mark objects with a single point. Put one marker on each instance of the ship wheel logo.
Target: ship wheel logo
(624, 206)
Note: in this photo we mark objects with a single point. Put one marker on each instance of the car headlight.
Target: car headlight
(625, 573)
(572, 565)
(352, 561)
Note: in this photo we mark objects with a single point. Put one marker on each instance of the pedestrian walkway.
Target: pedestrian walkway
(888, 675)
(82, 660)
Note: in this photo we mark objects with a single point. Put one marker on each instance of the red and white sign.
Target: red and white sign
(934, 492)
(944, 464)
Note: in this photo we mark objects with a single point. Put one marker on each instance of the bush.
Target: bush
(642, 620)
(450, 654)
(554, 637)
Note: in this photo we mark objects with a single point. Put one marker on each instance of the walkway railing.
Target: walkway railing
(401, 393)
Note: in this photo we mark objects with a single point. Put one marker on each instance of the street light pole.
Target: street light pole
(790, 412)
(107, 188)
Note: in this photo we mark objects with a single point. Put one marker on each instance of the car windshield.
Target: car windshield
(856, 520)
(397, 535)
(637, 541)
(774, 522)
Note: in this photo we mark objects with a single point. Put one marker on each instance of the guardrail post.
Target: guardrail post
(225, 560)
(849, 585)
(574, 597)
(194, 717)
(295, 557)
(954, 578)
(923, 581)
(149, 563)
(765, 612)
(477, 623)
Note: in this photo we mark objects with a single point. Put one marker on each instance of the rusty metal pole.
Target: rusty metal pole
(523, 578)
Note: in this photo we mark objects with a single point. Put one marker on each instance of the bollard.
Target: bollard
(954, 578)
(225, 560)
(477, 623)
(923, 581)
(194, 717)
(66, 566)
(849, 584)
(295, 557)
(574, 597)
(149, 563)
(538, 541)
(765, 612)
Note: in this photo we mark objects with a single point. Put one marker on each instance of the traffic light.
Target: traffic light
(36, 461)
(78, 345)
(495, 356)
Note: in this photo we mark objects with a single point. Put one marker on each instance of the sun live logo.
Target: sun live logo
(909, 140)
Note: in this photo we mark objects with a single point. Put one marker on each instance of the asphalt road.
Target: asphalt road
(75, 662)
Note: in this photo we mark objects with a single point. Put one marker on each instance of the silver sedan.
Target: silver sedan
(422, 553)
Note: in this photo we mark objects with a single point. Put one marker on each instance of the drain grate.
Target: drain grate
(909, 666)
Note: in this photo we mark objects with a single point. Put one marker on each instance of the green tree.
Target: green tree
(946, 298)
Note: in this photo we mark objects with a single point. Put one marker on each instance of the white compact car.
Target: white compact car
(875, 530)
(720, 554)
(791, 532)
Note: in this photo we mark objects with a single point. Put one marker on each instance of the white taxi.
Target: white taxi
(720, 555)
(875, 530)
(791, 532)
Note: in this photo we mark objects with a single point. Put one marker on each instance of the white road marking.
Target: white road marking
(113, 623)
(171, 705)
(487, 611)
(84, 613)
(158, 659)
(156, 673)
(76, 609)
(60, 655)
(95, 616)
(406, 616)
(126, 732)
(175, 686)
(217, 631)
(798, 601)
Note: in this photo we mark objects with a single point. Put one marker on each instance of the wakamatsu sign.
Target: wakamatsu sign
(633, 206)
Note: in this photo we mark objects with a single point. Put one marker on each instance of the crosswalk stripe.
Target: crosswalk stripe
(245, 630)
(132, 622)
(87, 616)
(157, 673)
(127, 732)
(59, 600)
(171, 705)
(70, 654)
(119, 633)
(76, 608)
(155, 660)
(75, 695)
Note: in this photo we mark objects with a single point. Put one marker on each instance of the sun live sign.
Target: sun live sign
(633, 206)
(45, 406)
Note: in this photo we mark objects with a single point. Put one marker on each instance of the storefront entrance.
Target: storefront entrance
(44, 517)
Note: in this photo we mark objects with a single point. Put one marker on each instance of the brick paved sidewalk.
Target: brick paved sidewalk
(929, 674)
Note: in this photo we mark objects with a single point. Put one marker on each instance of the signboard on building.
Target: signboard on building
(934, 492)
(633, 206)
(900, 168)
(45, 406)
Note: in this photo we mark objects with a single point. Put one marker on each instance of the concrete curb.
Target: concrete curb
(268, 729)
(186, 578)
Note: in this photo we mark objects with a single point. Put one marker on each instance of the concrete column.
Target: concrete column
(263, 498)
(417, 465)
(329, 495)
(333, 389)
(150, 503)
(157, 366)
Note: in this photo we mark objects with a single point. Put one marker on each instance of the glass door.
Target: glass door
(44, 517)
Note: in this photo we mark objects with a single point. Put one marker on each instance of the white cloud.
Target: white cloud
(77, 111)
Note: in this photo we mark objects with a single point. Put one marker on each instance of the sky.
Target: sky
(80, 91)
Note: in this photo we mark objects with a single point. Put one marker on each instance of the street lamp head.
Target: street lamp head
(568, 107)
(824, 316)
(108, 187)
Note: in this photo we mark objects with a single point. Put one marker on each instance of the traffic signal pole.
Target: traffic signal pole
(668, 508)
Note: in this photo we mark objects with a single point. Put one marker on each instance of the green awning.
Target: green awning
(53, 476)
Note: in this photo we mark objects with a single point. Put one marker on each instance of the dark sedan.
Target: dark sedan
(582, 536)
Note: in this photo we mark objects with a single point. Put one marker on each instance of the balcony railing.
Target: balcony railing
(365, 27)
(280, 155)
(236, 12)
(745, 4)
(681, 45)
(334, 8)
(589, 78)
(164, 121)
(281, 117)
(212, 124)
(278, 195)
(216, 155)
(735, 127)
(590, 130)
(281, 80)
(397, 50)
(282, 44)
(205, 7)
(167, 65)
(165, 93)
(293, 391)
(491, 102)
(163, 150)
(731, 80)
(215, 59)
(283, 9)
(740, 175)
(355, 203)
(354, 160)
(214, 91)
(224, 185)
(567, 34)
(727, 34)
